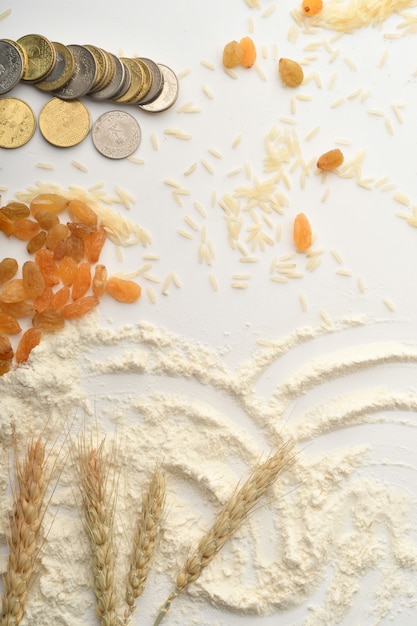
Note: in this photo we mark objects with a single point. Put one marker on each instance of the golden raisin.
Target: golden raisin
(232, 54)
(99, 280)
(36, 242)
(60, 298)
(5, 367)
(46, 219)
(312, 7)
(13, 291)
(79, 228)
(123, 290)
(79, 308)
(33, 280)
(56, 234)
(75, 248)
(6, 350)
(9, 324)
(302, 232)
(6, 225)
(45, 259)
(44, 300)
(48, 320)
(82, 212)
(82, 281)
(17, 309)
(25, 228)
(249, 52)
(51, 202)
(330, 160)
(291, 72)
(93, 244)
(67, 269)
(8, 269)
(29, 340)
(15, 210)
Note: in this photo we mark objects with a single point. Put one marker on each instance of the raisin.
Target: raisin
(48, 320)
(291, 72)
(312, 7)
(17, 309)
(123, 290)
(36, 243)
(29, 340)
(93, 244)
(33, 280)
(79, 228)
(8, 269)
(56, 234)
(6, 350)
(45, 259)
(67, 269)
(25, 228)
(44, 300)
(79, 308)
(232, 54)
(249, 52)
(9, 324)
(82, 212)
(60, 298)
(99, 280)
(82, 281)
(15, 210)
(51, 202)
(302, 232)
(13, 291)
(75, 248)
(330, 160)
(4, 367)
(6, 225)
(46, 219)
(60, 250)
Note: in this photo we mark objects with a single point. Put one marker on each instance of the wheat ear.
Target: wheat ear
(147, 530)
(98, 514)
(25, 532)
(228, 520)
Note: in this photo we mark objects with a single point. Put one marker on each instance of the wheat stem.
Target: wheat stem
(98, 516)
(228, 520)
(147, 530)
(25, 532)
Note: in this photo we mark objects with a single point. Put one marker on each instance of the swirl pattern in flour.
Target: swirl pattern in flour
(336, 530)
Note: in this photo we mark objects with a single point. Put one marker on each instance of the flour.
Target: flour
(327, 525)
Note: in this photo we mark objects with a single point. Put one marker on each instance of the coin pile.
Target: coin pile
(73, 71)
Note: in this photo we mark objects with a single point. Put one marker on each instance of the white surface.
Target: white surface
(361, 224)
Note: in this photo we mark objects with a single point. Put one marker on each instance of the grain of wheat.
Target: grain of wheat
(98, 495)
(229, 519)
(25, 532)
(144, 541)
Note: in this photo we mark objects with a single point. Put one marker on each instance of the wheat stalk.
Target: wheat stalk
(25, 532)
(228, 520)
(98, 515)
(147, 529)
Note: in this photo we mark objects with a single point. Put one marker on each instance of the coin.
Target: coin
(116, 134)
(101, 63)
(116, 82)
(147, 81)
(62, 70)
(11, 66)
(83, 76)
(64, 123)
(157, 82)
(136, 80)
(127, 79)
(17, 123)
(41, 57)
(168, 95)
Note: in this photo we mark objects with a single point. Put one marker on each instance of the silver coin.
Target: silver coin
(116, 134)
(157, 82)
(169, 93)
(83, 77)
(126, 81)
(11, 66)
(115, 84)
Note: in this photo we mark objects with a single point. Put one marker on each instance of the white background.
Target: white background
(361, 224)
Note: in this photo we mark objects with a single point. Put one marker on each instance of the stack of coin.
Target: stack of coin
(70, 72)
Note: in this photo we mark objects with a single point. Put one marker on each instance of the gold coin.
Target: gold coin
(147, 81)
(109, 72)
(41, 57)
(64, 123)
(62, 70)
(17, 123)
(136, 80)
(22, 51)
(102, 66)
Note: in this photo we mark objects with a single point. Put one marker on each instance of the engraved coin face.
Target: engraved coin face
(64, 123)
(136, 80)
(157, 82)
(83, 76)
(116, 134)
(17, 123)
(169, 93)
(116, 83)
(11, 66)
(62, 70)
(40, 57)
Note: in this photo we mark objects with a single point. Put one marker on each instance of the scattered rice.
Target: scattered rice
(337, 256)
(383, 59)
(337, 103)
(151, 257)
(137, 160)
(402, 198)
(303, 97)
(264, 51)
(5, 14)
(389, 304)
(172, 183)
(303, 302)
(125, 197)
(119, 254)
(326, 319)
(184, 233)
(388, 125)
(230, 73)
(268, 11)
(151, 277)
(240, 285)
(191, 169)
(343, 272)
(260, 71)
(381, 181)
(79, 166)
(200, 209)
(361, 284)
(395, 107)
(213, 282)
(144, 268)
(207, 91)
(355, 93)
(189, 107)
(215, 153)
(334, 55)
(251, 25)
(3, 188)
(249, 259)
(365, 95)
(151, 294)
(377, 112)
(45, 166)
(350, 63)
(312, 133)
(176, 132)
(154, 140)
(288, 120)
(208, 166)
(236, 170)
(191, 223)
(208, 64)
(184, 72)
(325, 195)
